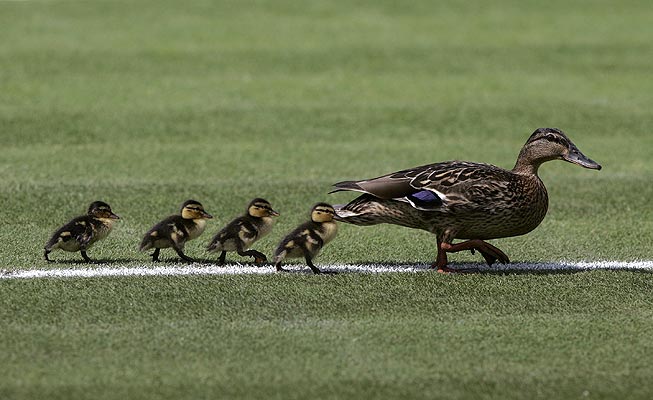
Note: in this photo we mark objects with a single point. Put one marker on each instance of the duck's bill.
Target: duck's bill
(576, 157)
(114, 216)
(206, 215)
(274, 213)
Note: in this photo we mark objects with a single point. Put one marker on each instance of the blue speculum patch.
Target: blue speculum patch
(425, 198)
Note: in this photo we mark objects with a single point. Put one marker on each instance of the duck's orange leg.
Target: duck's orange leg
(441, 262)
(489, 252)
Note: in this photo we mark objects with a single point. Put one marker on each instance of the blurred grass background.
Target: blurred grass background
(145, 104)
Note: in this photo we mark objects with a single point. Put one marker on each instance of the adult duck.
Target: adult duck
(464, 200)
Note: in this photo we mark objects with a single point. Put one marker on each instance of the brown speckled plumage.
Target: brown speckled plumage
(464, 200)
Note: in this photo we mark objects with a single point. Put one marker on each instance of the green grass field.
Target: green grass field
(146, 104)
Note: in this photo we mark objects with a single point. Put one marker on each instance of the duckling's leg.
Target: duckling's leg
(183, 256)
(489, 252)
(277, 265)
(85, 256)
(257, 255)
(45, 254)
(278, 259)
(155, 255)
(223, 257)
(309, 261)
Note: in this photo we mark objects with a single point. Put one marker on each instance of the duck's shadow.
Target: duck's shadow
(514, 268)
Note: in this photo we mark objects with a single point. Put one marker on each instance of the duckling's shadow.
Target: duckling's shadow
(100, 261)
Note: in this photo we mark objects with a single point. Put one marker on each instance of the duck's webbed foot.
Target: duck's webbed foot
(490, 253)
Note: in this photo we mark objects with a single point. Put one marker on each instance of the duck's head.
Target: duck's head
(192, 209)
(260, 208)
(546, 144)
(322, 212)
(101, 210)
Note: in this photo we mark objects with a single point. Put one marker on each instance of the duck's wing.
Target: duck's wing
(431, 186)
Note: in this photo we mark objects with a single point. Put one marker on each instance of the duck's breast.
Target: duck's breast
(516, 209)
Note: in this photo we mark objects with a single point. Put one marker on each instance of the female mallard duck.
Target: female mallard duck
(175, 230)
(81, 232)
(309, 238)
(243, 231)
(464, 200)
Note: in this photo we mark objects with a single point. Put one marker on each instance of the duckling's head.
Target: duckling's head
(192, 209)
(322, 212)
(101, 210)
(546, 144)
(260, 208)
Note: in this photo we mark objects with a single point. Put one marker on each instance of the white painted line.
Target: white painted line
(244, 269)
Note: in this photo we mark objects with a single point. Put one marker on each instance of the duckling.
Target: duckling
(175, 230)
(82, 232)
(309, 238)
(243, 231)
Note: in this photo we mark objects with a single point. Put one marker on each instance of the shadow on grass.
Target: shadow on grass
(175, 266)
(522, 267)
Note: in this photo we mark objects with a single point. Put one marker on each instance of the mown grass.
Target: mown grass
(406, 335)
(146, 104)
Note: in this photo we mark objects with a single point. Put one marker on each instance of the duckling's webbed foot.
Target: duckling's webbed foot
(256, 255)
(259, 257)
(183, 256)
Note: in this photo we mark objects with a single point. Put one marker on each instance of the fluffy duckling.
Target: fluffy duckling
(309, 238)
(175, 230)
(82, 232)
(243, 231)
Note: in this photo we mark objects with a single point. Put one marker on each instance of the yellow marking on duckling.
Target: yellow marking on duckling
(328, 231)
(200, 225)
